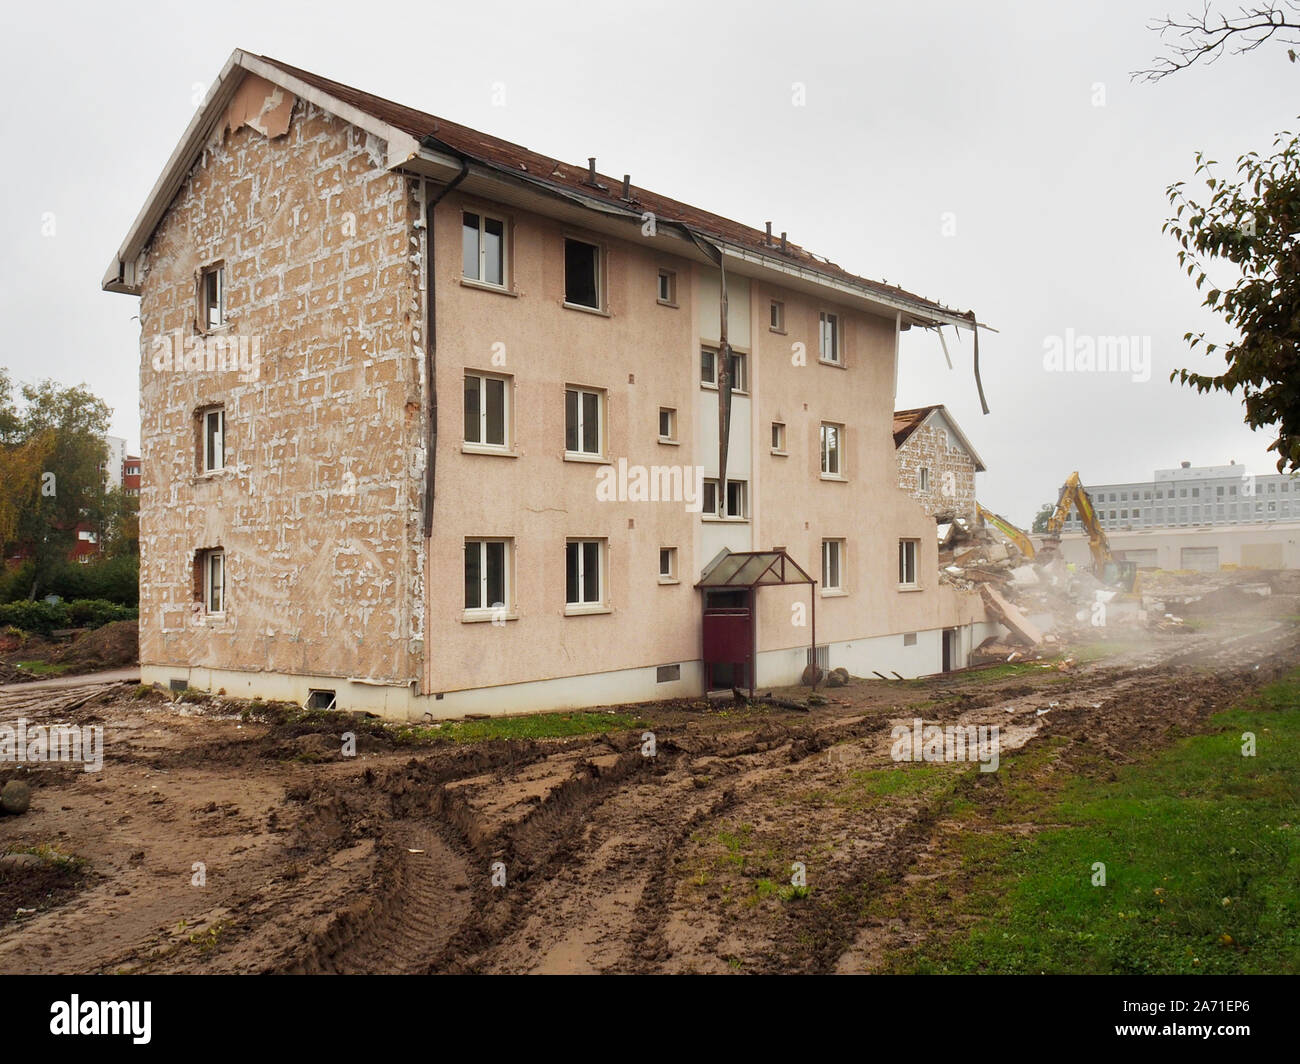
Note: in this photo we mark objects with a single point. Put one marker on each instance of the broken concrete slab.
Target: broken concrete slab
(1016, 622)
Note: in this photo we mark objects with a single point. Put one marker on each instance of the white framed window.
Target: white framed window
(832, 436)
(739, 372)
(709, 366)
(582, 267)
(907, 550)
(483, 248)
(212, 430)
(668, 565)
(778, 437)
(829, 337)
(584, 572)
(736, 503)
(213, 568)
(583, 421)
(832, 565)
(739, 369)
(487, 575)
(667, 289)
(925, 479)
(212, 297)
(487, 410)
(776, 316)
(667, 424)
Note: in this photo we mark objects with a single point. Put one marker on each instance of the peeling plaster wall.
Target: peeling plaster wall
(318, 508)
(935, 447)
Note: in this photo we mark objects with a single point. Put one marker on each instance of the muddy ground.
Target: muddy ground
(613, 862)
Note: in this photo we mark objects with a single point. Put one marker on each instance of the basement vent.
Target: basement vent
(320, 700)
(909, 639)
(668, 672)
(178, 685)
(820, 656)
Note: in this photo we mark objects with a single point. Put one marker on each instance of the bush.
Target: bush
(94, 613)
(112, 580)
(45, 618)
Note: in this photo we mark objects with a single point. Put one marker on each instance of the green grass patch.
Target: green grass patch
(42, 668)
(531, 726)
(1200, 847)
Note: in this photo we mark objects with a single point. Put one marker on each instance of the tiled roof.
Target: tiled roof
(906, 422)
(546, 171)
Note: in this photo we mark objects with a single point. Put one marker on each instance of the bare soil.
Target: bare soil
(613, 861)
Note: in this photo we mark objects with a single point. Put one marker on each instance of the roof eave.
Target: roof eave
(400, 147)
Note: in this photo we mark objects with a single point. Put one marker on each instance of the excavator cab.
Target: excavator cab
(1119, 574)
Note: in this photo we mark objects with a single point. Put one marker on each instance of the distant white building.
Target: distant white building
(1194, 497)
(1196, 517)
(116, 456)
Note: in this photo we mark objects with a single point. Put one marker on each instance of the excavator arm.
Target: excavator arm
(1074, 496)
(1017, 536)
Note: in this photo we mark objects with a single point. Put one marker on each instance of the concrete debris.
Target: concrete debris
(1020, 626)
(1046, 602)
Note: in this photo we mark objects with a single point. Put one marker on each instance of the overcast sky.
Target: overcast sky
(992, 156)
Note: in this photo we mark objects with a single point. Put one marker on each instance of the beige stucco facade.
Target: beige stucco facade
(330, 581)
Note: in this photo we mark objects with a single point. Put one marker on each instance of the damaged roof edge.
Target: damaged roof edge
(922, 313)
(120, 275)
(404, 151)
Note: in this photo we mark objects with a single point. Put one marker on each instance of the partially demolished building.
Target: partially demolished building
(435, 424)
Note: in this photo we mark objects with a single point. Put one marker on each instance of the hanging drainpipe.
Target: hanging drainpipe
(430, 342)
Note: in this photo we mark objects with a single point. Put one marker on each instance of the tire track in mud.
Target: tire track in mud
(592, 834)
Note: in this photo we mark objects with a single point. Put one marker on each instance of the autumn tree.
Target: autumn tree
(52, 457)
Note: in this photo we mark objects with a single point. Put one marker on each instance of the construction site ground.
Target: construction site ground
(228, 839)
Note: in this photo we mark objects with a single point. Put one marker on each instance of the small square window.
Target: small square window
(668, 288)
(668, 564)
(212, 297)
(778, 437)
(909, 639)
(776, 316)
(668, 423)
(582, 274)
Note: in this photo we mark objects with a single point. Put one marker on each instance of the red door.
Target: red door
(728, 639)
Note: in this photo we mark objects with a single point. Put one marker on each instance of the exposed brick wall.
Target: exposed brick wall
(951, 490)
(318, 508)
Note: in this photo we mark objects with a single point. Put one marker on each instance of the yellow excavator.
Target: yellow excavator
(1107, 568)
(1017, 536)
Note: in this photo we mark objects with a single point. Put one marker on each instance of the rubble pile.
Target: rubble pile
(1042, 602)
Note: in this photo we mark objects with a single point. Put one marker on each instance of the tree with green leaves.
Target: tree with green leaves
(1249, 227)
(1042, 517)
